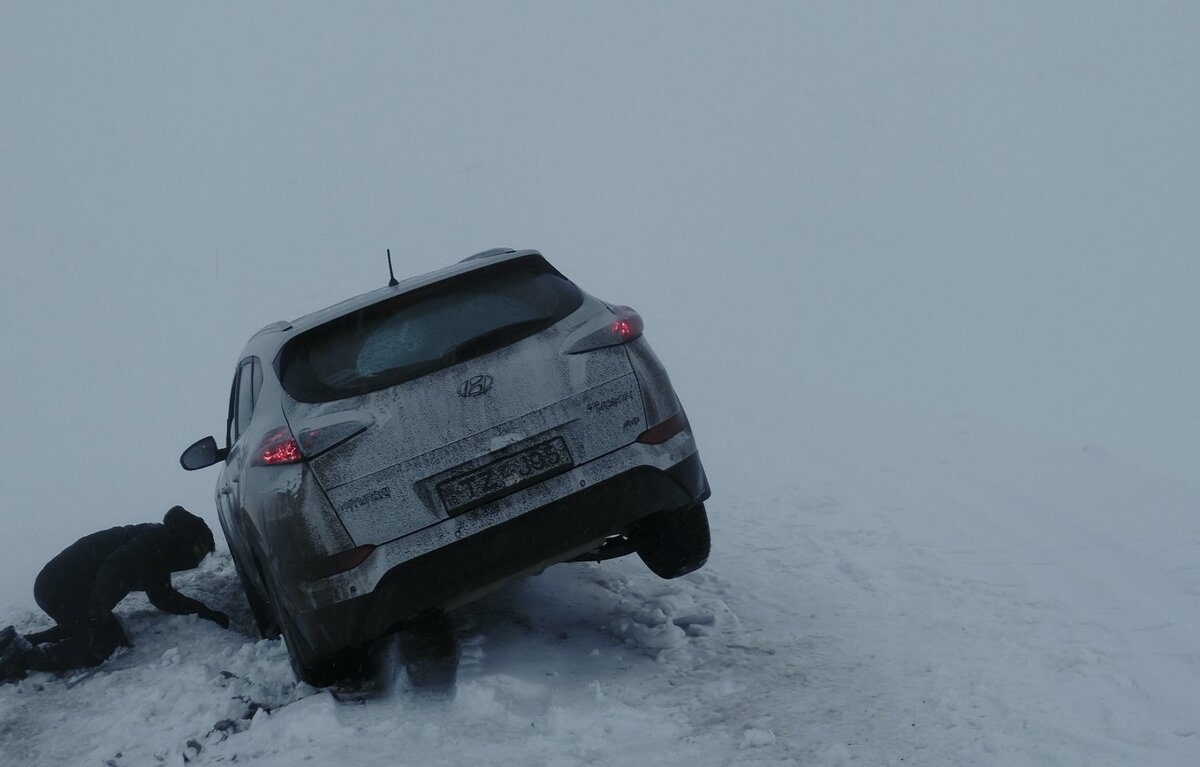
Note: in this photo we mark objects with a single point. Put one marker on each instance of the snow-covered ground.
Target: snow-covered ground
(932, 594)
(924, 274)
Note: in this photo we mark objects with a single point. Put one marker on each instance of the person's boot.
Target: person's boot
(7, 634)
(13, 658)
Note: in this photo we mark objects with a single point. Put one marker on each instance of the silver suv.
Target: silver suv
(412, 448)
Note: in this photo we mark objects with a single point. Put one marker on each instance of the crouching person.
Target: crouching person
(80, 587)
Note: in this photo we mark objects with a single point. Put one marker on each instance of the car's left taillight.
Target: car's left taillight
(278, 447)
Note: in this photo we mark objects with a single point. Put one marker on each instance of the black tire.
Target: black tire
(260, 606)
(307, 665)
(674, 542)
(304, 666)
(429, 651)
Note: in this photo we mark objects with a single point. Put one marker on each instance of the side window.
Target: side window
(231, 420)
(245, 398)
(257, 382)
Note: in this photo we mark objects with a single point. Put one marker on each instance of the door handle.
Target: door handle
(226, 490)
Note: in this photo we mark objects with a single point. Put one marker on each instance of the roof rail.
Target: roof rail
(272, 328)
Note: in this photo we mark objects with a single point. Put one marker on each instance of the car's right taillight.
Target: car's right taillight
(626, 326)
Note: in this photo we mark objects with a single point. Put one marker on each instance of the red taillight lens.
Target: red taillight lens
(656, 435)
(628, 326)
(279, 446)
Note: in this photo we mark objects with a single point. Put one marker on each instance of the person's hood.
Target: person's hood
(191, 534)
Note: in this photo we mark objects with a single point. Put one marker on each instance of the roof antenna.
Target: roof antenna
(391, 282)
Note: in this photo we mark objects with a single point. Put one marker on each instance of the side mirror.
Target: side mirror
(201, 454)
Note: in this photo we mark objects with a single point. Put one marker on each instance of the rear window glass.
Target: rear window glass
(425, 330)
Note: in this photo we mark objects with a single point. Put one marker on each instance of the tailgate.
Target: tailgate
(473, 432)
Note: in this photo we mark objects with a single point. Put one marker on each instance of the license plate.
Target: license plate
(507, 475)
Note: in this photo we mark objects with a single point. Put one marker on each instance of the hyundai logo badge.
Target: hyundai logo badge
(474, 386)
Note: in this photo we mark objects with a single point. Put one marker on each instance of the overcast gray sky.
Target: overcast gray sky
(931, 207)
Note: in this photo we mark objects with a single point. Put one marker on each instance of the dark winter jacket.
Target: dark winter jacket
(88, 579)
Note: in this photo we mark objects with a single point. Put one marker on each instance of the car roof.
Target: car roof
(269, 339)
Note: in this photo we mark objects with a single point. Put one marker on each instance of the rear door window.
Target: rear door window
(245, 398)
(425, 330)
(231, 421)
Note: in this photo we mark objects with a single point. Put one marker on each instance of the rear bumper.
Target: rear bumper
(461, 570)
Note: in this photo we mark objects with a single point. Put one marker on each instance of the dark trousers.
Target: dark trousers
(79, 640)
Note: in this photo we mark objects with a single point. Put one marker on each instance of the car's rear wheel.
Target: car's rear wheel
(307, 664)
(304, 666)
(674, 542)
(260, 607)
(429, 651)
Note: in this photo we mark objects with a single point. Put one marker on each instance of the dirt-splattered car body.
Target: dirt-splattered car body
(414, 447)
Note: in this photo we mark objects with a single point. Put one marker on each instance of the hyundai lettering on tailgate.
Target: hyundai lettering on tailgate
(507, 475)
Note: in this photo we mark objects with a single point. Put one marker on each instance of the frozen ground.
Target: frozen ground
(930, 594)
(986, 208)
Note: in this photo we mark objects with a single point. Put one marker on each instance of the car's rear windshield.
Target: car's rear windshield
(415, 333)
